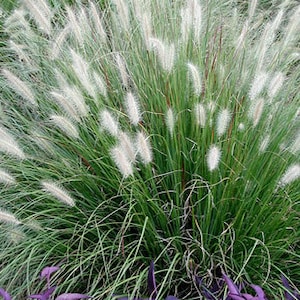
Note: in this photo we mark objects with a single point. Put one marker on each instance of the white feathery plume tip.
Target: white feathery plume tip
(58, 42)
(256, 110)
(132, 108)
(295, 146)
(170, 120)
(7, 217)
(6, 178)
(122, 69)
(58, 192)
(165, 53)
(196, 13)
(19, 86)
(9, 145)
(74, 95)
(127, 145)
(275, 84)
(264, 144)
(123, 13)
(146, 26)
(196, 79)
(200, 115)
(100, 84)
(213, 158)
(97, 22)
(65, 125)
(41, 13)
(74, 25)
(223, 121)
(81, 69)
(258, 85)
(109, 123)
(143, 147)
(66, 105)
(121, 160)
(291, 174)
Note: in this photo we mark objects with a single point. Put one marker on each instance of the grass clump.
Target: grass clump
(149, 130)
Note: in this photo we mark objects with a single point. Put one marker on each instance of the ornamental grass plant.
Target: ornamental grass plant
(149, 130)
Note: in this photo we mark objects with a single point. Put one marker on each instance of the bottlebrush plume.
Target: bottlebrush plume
(132, 108)
(68, 106)
(275, 84)
(258, 85)
(65, 125)
(122, 161)
(58, 42)
(165, 53)
(97, 22)
(19, 86)
(122, 69)
(126, 143)
(196, 79)
(223, 121)
(6, 178)
(100, 84)
(256, 110)
(81, 69)
(123, 14)
(7, 217)
(170, 120)
(74, 25)
(291, 175)
(109, 123)
(213, 158)
(41, 13)
(58, 192)
(143, 147)
(264, 144)
(200, 114)
(9, 145)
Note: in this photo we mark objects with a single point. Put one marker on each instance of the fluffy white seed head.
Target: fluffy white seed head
(275, 84)
(132, 108)
(6, 178)
(196, 79)
(165, 53)
(252, 8)
(213, 158)
(24, 57)
(19, 86)
(58, 192)
(68, 106)
(109, 123)
(41, 13)
(223, 120)
(122, 69)
(241, 127)
(256, 110)
(7, 217)
(127, 145)
(100, 84)
(295, 146)
(200, 115)
(57, 44)
(291, 175)
(147, 30)
(81, 69)
(122, 161)
(170, 120)
(123, 14)
(74, 25)
(264, 144)
(143, 147)
(97, 22)
(74, 96)
(65, 125)
(9, 145)
(258, 85)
